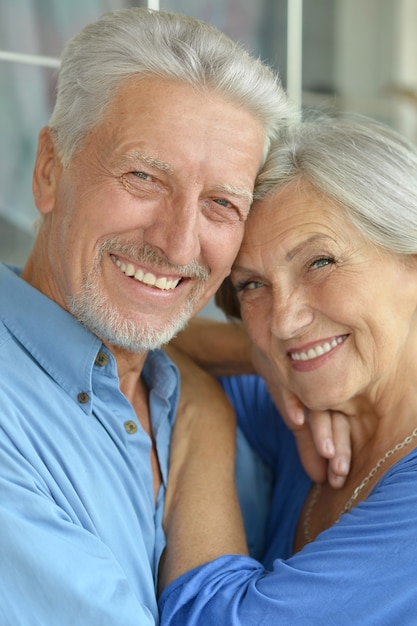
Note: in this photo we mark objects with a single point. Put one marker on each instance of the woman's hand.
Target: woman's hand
(323, 437)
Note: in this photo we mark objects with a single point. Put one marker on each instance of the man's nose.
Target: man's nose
(176, 230)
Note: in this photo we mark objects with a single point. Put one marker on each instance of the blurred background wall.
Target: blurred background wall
(355, 55)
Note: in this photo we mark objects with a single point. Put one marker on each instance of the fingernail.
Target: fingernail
(328, 447)
(298, 418)
(343, 466)
(337, 481)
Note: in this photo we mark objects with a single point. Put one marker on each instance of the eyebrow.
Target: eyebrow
(292, 253)
(236, 191)
(135, 156)
(288, 257)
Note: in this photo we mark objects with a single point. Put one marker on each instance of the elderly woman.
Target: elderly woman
(326, 286)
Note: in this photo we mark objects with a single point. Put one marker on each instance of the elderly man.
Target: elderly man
(143, 179)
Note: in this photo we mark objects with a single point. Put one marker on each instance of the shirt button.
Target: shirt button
(83, 397)
(131, 427)
(101, 359)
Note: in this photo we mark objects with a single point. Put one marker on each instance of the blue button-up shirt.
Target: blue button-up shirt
(80, 533)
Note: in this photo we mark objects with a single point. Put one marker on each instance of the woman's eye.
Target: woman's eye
(321, 262)
(247, 285)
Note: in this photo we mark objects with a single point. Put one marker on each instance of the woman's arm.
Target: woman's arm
(359, 571)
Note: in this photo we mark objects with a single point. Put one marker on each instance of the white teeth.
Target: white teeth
(313, 353)
(149, 279)
(162, 283)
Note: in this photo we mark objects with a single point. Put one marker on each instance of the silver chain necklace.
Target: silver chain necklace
(318, 486)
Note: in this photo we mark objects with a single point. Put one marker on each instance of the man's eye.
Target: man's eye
(142, 175)
(222, 202)
(221, 210)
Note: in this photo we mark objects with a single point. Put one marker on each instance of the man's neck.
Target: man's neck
(132, 385)
(129, 368)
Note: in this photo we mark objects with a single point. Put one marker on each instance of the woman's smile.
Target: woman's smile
(311, 356)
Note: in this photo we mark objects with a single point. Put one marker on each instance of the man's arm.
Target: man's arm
(53, 571)
(220, 348)
(202, 461)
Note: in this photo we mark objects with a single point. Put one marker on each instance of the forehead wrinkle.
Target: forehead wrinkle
(292, 253)
(135, 156)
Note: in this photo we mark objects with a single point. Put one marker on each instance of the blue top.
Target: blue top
(80, 534)
(362, 570)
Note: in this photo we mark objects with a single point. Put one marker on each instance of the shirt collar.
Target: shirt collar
(160, 374)
(45, 329)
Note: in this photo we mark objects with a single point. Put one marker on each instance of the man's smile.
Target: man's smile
(161, 282)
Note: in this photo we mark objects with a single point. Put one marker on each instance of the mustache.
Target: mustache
(145, 254)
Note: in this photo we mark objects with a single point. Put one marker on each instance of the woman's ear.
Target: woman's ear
(46, 172)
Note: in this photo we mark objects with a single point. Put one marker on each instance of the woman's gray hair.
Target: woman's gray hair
(365, 167)
(141, 42)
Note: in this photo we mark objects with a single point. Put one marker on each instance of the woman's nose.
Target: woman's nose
(291, 314)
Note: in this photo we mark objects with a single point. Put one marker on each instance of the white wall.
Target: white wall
(375, 57)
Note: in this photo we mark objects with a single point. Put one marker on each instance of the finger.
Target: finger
(287, 403)
(339, 465)
(322, 433)
(293, 409)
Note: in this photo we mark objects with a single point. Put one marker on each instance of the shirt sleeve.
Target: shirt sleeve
(257, 416)
(359, 571)
(52, 570)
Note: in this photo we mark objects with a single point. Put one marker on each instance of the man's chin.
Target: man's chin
(132, 334)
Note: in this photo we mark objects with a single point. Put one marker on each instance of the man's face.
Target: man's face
(145, 222)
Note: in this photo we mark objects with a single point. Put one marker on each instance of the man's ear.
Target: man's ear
(46, 172)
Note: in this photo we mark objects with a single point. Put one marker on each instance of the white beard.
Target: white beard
(92, 308)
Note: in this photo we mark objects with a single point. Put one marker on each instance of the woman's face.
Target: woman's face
(334, 315)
